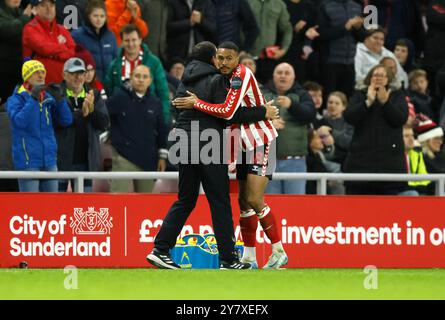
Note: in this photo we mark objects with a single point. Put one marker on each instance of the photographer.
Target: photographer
(32, 111)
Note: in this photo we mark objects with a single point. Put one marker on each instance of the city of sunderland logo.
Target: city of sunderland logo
(91, 221)
(33, 237)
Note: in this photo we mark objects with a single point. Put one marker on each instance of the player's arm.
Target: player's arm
(224, 110)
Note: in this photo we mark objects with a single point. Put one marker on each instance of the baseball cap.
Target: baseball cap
(74, 65)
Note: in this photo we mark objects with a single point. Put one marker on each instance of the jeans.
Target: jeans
(289, 186)
(36, 185)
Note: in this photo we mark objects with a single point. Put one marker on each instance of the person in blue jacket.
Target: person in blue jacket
(97, 38)
(32, 111)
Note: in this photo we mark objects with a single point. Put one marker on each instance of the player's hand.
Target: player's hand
(272, 111)
(279, 124)
(185, 102)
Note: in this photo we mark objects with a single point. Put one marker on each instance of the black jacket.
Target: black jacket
(95, 123)
(178, 26)
(377, 144)
(138, 130)
(435, 40)
(209, 85)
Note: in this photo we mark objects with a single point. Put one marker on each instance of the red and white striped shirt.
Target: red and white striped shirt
(247, 94)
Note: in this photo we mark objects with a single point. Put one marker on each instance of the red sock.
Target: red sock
(267, 221)
(248, 222)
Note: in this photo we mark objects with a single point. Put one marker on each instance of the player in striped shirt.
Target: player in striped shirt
(256, 139)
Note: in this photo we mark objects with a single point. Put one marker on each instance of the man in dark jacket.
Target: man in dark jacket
(198, 77)
(234, 17)
(79, 147)
(12, 21)
(338, 22)
(297, 111)
(188, 25)
(138, 131)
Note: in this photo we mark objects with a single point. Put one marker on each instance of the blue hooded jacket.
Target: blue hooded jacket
(33, 141)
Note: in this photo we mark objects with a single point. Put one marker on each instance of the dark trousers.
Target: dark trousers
(338, 77)
(215, 182)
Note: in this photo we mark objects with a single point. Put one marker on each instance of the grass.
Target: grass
(290, 284)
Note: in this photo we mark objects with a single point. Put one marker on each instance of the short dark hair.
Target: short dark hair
(312, 86)
(203, 51)
(402, 43)
(229, 45)
(129, 28)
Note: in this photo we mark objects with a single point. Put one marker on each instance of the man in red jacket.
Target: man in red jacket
(46, 41)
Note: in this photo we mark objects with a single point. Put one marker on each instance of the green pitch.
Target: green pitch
(225, 284)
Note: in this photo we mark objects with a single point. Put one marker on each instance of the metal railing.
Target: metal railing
(321, 178)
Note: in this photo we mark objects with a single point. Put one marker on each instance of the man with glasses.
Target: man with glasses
(78, 144)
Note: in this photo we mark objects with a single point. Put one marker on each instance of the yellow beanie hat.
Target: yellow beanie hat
(31, 66)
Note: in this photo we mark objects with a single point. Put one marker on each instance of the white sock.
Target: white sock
(249, 254)
(277, 246)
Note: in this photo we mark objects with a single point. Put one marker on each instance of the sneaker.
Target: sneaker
(277, 260)
(161, 260)
(234, 265)
(253, 263)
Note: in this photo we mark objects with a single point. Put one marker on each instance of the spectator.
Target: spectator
(12, 21)
(418, 93)
(430, 136)
(404, 52)
(235, 18)
(247, 60)
(138, 131)
(65, 17)
(401, 19)
(97, 38)
(79, 144)
(434, 57)
(414, 162)
(155, 12)
(121, 13)
(334, 123)
(46, 41)
(303, 16)
(90, 76)
(132, 54)
(177, 68)
(378, 113)
(273, 19)
(6, 185)
(315, 90)
(370, 52)
(297, 110)
(189, 22)
(317, 162)
(175, 72)
(32, 111)
(339, 23)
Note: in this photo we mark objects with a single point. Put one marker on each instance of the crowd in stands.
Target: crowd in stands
(87, 85)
